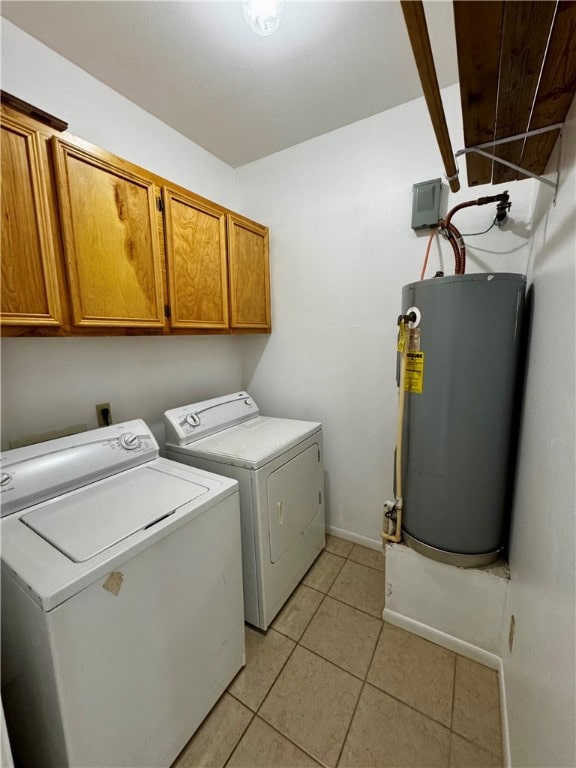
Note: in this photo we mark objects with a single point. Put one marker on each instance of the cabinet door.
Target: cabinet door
(195, 240)
(110, 240)
(29, 278)
(249, 274)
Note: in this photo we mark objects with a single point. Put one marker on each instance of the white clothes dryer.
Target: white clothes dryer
(122, 615)
(278, 465)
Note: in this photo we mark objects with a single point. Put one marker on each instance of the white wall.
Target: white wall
(98, 114)
(52, 383)
(339, 209)
(540, 673)
(341, 248)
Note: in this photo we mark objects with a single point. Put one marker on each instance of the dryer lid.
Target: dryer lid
(252, 443)
(89, 521)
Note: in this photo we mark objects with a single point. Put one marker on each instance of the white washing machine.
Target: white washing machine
(278, 464)
(122, 614)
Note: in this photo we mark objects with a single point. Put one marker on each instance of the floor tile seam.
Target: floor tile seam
(358, 562)
(235, 747)
(255, 711)
(379, 570)
(374, 651)
(329, 587)
(360, 680)
(339, 599)
(334, 664)
(291, 740)
(314, 588)
(273, 683)
(453, 694)
(350, 723)
(467, 738)
(470, 740)
(410, 706)
(309, 621)
(331, 552)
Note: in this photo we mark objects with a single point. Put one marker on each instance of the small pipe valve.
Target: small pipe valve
(411, 317)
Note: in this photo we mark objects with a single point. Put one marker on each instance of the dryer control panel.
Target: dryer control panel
(43, 471)
(188, 423)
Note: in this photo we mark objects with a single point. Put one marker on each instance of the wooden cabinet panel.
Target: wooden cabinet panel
(195, 242)
(249, 276)
(29, 279)
(110, 240)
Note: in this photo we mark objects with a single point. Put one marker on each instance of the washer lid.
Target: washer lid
(252, 443)
(85, 523)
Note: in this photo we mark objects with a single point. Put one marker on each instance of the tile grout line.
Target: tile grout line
(467, 738)
(297, 643)
(335, 575)
(453, 706)
(294, 744)
(256, 714)
(235, 747)
(339, 600)
(380, 570)
(359, 697)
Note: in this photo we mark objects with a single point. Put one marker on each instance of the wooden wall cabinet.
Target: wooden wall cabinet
(195, 243)
(111, 243)
(86, 249)
(29, 294)
(249, 274)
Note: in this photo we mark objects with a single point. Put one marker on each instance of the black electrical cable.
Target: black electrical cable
(473, 234)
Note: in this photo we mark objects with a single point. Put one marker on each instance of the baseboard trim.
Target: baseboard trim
(506, 755)
(464, 649)
(354, 537)
(442, 638)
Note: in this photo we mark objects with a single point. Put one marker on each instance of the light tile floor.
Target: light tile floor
(331, 684)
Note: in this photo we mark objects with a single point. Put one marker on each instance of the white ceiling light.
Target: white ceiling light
(263, 16)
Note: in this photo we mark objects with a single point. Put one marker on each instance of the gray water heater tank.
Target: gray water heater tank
(461, 382)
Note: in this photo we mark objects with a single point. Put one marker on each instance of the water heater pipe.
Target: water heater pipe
(398, 503)
(455, 238)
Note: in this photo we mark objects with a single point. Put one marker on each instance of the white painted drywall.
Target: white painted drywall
(98, 114)
(465, 605)
(341, 248)
(55, 382)
(339, 209)
(540, 672)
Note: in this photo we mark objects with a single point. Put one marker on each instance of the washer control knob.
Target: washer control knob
(193, 419)
(5, 478)
(129, 441)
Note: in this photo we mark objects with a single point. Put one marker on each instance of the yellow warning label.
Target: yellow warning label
(414, 372)
(401, 338)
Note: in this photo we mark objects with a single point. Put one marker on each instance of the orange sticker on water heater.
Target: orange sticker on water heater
(414, 372)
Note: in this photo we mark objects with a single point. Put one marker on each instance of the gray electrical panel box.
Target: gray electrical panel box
(426, 204)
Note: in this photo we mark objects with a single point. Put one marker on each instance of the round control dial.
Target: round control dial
(129, 441)
(193, 419)
(5, 478)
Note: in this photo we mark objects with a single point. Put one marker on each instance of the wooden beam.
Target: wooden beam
(478, 33)
(524, 38)
(556, 89)
(415, 19)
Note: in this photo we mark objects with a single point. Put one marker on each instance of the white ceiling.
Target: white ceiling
(199, 68)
